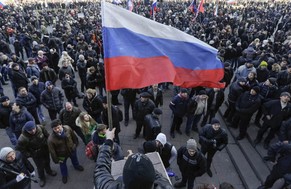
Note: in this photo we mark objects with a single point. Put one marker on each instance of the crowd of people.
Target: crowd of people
(43, 45)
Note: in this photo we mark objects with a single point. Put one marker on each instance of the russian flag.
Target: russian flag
(139, 52)
(1, 5)
(154, 7)
(193, 7)
(129, 5)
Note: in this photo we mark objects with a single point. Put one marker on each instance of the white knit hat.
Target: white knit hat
(162, 138)
(4, 152)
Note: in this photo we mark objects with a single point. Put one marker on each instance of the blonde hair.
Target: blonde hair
(82, 122)
(276, 67)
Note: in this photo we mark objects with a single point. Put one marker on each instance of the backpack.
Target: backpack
(120, 114)
(91, 150)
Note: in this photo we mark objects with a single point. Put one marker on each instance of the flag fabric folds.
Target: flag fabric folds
(139, 52)
(201, 7)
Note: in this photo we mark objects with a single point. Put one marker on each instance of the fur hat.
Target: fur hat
(138, 172)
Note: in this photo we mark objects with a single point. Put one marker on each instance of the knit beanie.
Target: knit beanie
(191, 144)
(28, 126)
(48, 83)
(162, 138)
(264, 63)
(214, 121)
(4, 99)
(138, 172)
(4, 152)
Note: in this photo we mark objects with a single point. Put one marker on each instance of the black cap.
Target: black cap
(33, 78)
(158, 111)
(257, 89)
(202, 92)
(4, 99)
(183, 90)
(145, 95)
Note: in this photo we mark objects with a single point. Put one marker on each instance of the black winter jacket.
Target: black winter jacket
(278, 115)
(141, 109)
(179, 106)
(235, 91)
(21, 165)
(52, 100)
(207, 135)
(248, 104)
(94, 107)
(4, 115)
(36, 90)
(192, 166)
(29, 101)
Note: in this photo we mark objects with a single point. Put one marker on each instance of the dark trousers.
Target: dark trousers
(189, 180)
(176, 123)
(230, 111)
(79, 132)
(210, 155)
(139, 125)
(242, 121)
(53, 114)
(275, 174)
(192, 122)
(63, 165)
(34, 114)
(128, 103)
(207, 118)
(83, 82)
(42, 163)
(270, 135)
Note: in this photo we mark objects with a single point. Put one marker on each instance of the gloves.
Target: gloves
(20, 177)
(32, 174)
(268, 158)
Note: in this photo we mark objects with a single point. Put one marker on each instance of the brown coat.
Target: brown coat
(62, 146)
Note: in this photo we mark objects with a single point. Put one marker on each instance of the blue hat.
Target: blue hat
(48, 83)
(30, 125)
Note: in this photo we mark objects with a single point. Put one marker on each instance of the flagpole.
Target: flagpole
(108, 94)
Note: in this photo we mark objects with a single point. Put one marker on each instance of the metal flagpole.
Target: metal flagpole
(108, 94)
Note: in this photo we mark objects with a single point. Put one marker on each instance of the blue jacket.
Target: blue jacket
(18, 120)
(179, 106)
